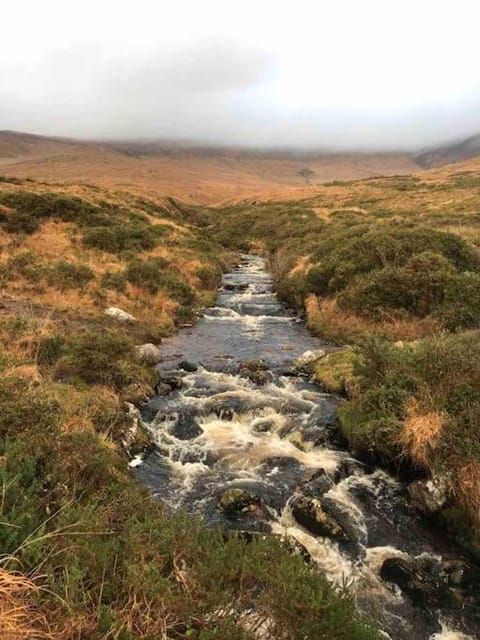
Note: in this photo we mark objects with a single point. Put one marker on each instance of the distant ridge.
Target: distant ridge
(450, 153)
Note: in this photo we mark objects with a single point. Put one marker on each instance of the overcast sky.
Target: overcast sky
(309, 73)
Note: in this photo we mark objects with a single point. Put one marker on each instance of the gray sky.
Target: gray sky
(310, 73)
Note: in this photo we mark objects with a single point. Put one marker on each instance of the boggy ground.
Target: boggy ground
(391, 267)
(86, 554)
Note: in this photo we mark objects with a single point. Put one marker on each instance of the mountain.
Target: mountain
(193, 173)
(450, 153)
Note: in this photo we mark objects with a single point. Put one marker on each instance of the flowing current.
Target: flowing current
(245, 440)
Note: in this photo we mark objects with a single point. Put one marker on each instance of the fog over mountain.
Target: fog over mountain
(334, 75)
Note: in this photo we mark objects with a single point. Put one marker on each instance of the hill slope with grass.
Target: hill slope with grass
(86, 552)
(192, 173)
(391, 267)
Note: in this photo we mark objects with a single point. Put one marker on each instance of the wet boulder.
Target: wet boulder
(189, 367)
(148, 353)
(185, 427)
(256, 371)
(235, 501)
(137, 393)
(310, 513)
(307, 360)
(317, 485)
(417, 582)
(168, 381)
(428, 496)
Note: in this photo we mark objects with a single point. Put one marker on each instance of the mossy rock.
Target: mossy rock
(235, 500)
(335, 371)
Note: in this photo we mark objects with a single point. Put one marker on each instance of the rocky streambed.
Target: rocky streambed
(243, 438)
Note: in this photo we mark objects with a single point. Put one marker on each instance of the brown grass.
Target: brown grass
(193, 175)
(420, 433)
(19, 619)
(325, 318)
(467, 488)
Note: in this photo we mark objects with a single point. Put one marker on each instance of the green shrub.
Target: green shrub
(209, 276)
(27, 265)
(50, 350)
(100, 357)
(417, 287)
(19, 222)
(66, 275)
(25, 409)
(461, 304)
(117, 238)
(115, 280)
(146, 273)
(154, 274)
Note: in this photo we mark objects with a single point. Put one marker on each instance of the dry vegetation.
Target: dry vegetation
(194, 175)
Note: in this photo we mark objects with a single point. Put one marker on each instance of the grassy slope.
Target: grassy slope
(392, 267)
(194, 175)
(86, 553)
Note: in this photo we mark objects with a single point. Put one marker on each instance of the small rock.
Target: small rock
(310, 514)
(236, 500)
(169, 382)
(428, 496)
(132, 420)
(318, 484)
(307, 359)
(253, 365)
(120, 315)
(421, 586)
(189, 367)
(137, 392)
(148, 353)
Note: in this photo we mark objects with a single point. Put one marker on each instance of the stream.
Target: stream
(245, 439)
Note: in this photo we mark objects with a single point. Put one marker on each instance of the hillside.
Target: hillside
(196, 175)
(449, 153)
(388, 265)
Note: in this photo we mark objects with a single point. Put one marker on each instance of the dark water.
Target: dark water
(271, 433)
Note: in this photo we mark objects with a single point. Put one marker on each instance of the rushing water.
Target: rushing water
(223, 423)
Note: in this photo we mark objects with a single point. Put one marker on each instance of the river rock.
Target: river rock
(317, 485)
(120, 315)
(310, 514)
(137, 393)
(148, 353)
(236, 500)
(185, 427)
(168, 382)
(307, 359)
(428, 496)
(256, 371)
(189, 367)
(423, 588)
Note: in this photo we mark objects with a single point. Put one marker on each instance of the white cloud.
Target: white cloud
(343, 73)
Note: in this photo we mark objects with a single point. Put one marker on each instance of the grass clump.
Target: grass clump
(116, 239)
(154, 274)
(101, 357)
(420, 402)
(67, 275)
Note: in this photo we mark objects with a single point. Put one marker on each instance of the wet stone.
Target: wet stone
(310, 514)
(317, 485)
(188, 366)
(236, 500)
(423, 588)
